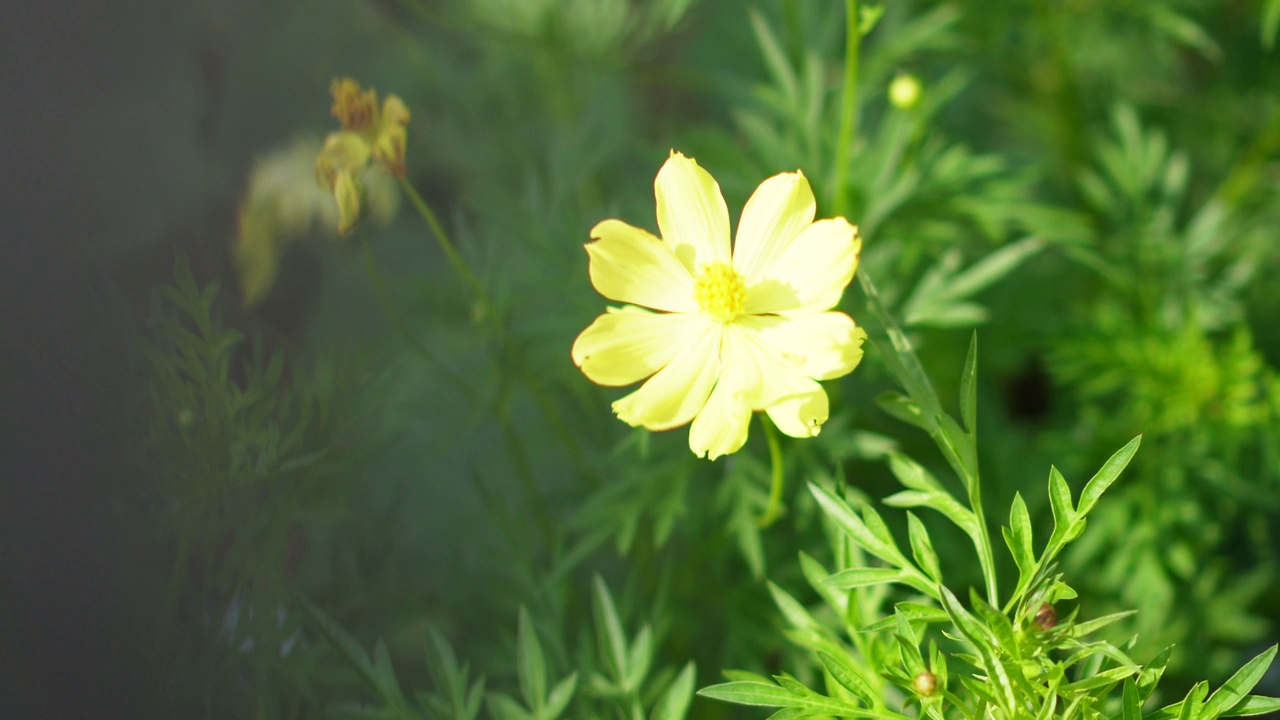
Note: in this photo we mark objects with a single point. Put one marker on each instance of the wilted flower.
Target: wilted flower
(369, 133)
(283, 203)
(734, 332)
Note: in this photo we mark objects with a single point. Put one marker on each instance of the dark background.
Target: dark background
(126, 130)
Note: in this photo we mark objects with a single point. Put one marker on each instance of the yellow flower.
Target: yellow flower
(368, 134)
(734, 332)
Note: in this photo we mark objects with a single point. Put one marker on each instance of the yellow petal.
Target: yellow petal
(811, 274)
(678, 391)
(692, 216)
(347, 193)
(721, 427)
(822, 346)
(626, 346)
(801, 415)
(777, 212)
(632, 266)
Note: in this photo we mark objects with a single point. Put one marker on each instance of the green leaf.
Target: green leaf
(1132, 706)
(992, 268)
(750, 693)
(862, 577)
(1018, 537)
(1254, 705)
(1102, 679)
(639, 659)
(979, 637)
(848, 521)
(922, 548)
(1090, 626)
(969, 387)
(559, 698)
(844, 673)
(1270, 23)
(343, 643)
(795, 613)
(903, 408)
(674, 703)
(1107, 475)
(1151, 674)
(612, 641)
(531, 668)
(1237, 687)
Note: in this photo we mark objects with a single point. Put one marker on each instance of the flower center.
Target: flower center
(720, 291)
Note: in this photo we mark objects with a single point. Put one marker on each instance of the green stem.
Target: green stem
(774, 510)
(455, 259)
(848, 107)
(380, 289)
(960, 451)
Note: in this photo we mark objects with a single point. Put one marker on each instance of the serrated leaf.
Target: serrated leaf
(674, 703)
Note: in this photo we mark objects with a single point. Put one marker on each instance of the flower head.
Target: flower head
(721, 333)
(368, 133)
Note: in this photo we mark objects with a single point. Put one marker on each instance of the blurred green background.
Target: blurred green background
(1114, 165)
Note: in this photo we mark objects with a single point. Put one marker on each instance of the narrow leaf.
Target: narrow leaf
(1237, 687)
(674, 703)
(969, 387)
(1111, 470)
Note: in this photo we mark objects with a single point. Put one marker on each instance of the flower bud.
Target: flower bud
(925, 684)
(905, 91)
(1046, 617)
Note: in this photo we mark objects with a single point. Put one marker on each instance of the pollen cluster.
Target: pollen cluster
(720, 291)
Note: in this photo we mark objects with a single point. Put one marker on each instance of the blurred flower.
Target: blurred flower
(904, 91)
(368, 133)
(734, 333)
(283, 203)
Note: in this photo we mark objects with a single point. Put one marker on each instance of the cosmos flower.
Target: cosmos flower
(723, 333)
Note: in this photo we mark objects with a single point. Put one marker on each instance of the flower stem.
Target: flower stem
(774, 510)
(380, 289)
(451, 252)
(848, 106)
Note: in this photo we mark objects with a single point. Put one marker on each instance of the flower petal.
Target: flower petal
(777, 212)
(802, 415)
(822, 346)
(628, 345)
(810, 274)
(721, 426)
(630, 265)
(692, 216)
(677, 392)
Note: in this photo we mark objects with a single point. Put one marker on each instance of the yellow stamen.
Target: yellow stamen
(720, 291)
